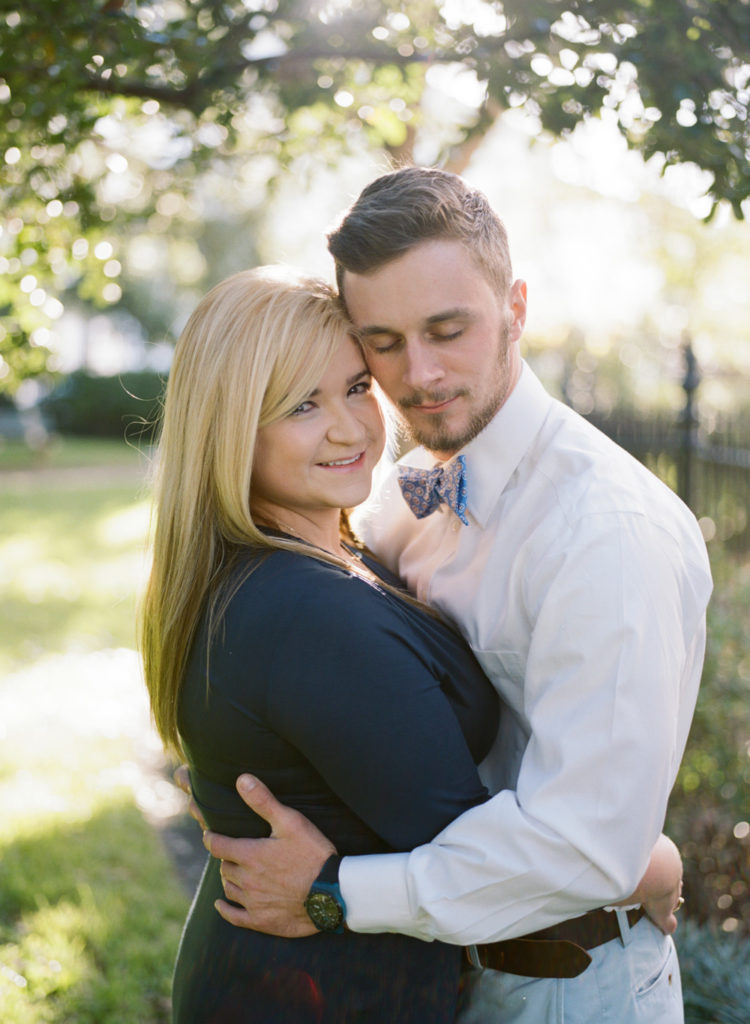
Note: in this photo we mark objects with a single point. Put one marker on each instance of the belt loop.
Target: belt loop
(473, 956)
(622, 920)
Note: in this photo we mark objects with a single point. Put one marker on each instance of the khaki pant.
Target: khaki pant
(631, 980)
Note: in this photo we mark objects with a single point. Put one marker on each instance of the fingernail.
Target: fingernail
(246, 782)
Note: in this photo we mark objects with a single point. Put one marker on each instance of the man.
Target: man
(581, 583)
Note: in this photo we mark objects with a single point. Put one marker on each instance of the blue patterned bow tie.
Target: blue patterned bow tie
(425, 489)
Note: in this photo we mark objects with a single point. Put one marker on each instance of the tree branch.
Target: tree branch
(166, 94)
(289, 65)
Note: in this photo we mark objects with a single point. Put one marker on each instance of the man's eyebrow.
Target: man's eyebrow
(457, 313)
(367, 332)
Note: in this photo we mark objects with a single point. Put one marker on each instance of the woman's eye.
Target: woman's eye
(301, 408)
(361, 388)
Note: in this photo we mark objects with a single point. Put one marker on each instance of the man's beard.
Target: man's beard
(438, 437)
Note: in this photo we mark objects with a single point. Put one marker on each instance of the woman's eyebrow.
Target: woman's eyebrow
(349, 381)
(358, 376)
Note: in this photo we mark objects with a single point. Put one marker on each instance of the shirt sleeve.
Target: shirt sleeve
(351, 687)
(617, 642)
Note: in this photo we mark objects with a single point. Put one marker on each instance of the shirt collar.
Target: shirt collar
(494, 454)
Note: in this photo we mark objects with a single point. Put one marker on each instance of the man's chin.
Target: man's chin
(445, 442)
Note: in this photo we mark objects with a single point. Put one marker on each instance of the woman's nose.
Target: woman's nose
(346, 427)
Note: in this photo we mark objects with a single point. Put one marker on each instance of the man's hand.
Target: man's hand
(270, 877)
(660, 889)
(662, 910)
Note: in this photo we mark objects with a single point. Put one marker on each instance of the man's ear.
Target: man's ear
(517, 303)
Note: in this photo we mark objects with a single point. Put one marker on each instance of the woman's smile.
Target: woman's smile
(357, 459)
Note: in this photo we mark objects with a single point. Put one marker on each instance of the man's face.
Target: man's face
(440, 341)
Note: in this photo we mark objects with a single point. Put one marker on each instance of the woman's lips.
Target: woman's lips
(350, 462)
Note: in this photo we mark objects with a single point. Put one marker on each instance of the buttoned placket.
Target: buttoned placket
(447, 546)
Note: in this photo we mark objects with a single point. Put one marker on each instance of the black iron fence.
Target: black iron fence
(706, 463)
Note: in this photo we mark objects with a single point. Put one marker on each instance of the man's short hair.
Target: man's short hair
(418, 204)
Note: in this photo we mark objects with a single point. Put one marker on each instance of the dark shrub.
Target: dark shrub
(125, 405)
(715, 975)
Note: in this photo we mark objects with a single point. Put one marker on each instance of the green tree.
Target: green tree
(111, 111)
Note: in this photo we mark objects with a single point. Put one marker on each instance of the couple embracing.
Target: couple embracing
(472, 707)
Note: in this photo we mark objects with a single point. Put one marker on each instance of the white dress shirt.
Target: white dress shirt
(581, 583)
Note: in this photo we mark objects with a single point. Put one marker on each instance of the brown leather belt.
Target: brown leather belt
(556, 952)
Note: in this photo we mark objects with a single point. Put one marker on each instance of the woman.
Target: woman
(273, 644)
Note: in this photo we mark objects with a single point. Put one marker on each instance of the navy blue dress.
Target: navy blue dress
(367, 715)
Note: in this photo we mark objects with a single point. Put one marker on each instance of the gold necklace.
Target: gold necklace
(351, 557)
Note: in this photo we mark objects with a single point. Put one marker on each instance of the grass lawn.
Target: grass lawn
(72, 549)
(67, 452)
(71, 558)
(90, 905)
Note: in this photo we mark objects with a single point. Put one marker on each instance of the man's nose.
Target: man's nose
(422, 368)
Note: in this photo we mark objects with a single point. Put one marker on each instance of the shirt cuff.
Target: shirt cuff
(376, 894)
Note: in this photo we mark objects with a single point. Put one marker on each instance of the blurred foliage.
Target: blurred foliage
(715, 978)
(709, 817)
(117, 111)
(126, 405)
(697, 295)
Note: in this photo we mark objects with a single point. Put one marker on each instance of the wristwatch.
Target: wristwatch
(324, 904)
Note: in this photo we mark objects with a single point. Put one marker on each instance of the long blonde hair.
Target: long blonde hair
(252, 351)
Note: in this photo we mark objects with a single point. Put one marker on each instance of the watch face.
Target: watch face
(324, 911)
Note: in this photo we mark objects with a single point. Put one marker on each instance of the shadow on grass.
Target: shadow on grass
(90, 919)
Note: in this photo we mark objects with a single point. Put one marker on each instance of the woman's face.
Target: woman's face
(320, 458)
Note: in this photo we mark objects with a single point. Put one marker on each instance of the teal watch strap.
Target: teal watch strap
(325, 904)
